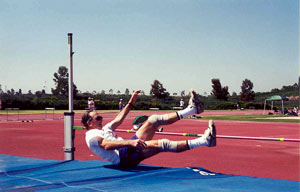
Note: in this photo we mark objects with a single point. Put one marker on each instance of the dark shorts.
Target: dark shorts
(130, 156)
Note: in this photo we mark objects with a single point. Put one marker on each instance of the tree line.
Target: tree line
(158, 98)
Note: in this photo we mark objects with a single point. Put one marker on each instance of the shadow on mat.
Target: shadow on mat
(30, 168)
(139, 168)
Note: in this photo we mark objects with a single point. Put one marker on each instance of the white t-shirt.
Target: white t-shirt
(91, 103)
(181, 103)
(107, 134)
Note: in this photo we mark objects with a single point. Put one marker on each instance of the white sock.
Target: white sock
(188, 111)
(197, 142)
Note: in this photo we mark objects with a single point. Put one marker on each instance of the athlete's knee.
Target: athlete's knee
(166, 145)
(157, 120)
(153, 119)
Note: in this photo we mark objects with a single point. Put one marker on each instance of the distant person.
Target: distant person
(294, 112)
(91, 103)
(0, 104)
(285, 111)
(275, 110)
(181, 104)
(238, 105)
(104, 142)
(121, 104)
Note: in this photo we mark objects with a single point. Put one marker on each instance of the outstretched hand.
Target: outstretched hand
(138, 143)
(134, 97)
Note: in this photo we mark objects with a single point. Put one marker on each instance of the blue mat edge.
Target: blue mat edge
(34, 163)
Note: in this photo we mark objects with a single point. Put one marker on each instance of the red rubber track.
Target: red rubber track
(270, 159)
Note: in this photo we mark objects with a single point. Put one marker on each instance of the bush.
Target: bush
(80, 104)
(109, 102)
(223, 106)
(254, 105)
(143, 105)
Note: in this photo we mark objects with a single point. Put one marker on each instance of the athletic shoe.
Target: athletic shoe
(210, 134)
(160, 129)
(135, 127)
(195, 102)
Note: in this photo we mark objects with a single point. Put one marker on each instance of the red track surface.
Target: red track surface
(271, 159)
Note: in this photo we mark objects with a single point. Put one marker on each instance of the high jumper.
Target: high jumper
(104, 142)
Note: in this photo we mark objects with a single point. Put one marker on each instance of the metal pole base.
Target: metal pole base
(69, 136)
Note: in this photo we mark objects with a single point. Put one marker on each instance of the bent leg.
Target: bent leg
(147, 130)
(155, 146)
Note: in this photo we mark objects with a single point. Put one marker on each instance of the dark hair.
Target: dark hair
(86, 118)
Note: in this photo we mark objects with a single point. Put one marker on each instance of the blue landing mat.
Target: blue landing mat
(26, 174)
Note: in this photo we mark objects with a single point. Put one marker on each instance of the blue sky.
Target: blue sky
(128, 44)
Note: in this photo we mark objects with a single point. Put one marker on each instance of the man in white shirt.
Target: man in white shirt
(104, 142)
(91, 103)
(181, 103)
(121, 104)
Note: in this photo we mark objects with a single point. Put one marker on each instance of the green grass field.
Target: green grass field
(256, 118)
(56, 111)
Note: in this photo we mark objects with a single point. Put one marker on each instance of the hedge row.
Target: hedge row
(143, 103)
(232, 105)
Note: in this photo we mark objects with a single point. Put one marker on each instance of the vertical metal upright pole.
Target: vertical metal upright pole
(70, 73)
(69, 136)
(69, 133)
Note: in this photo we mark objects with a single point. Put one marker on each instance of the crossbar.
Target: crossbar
(218, 136)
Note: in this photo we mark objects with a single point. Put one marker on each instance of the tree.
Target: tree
(299, 81)
(61, 81)
(158, 90)
(235, 96)
(43, 92)
(12, 91)
(247, 93)
(275, 90)
(38, 94)
(111, 91)
(127, 91)
(182, 93)
(218, 91)
(299, 84)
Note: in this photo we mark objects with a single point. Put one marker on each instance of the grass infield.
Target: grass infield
(255, 118)
(49, 111)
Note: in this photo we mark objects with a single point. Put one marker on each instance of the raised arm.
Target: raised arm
(122, 115)
(111, 145)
